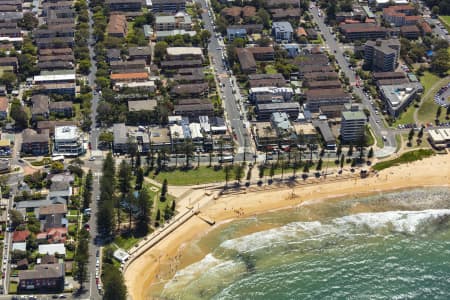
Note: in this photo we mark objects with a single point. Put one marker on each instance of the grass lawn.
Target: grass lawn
(126, 242)
(270, 69)
(13, 287)
(427, 111)
(407, 117)
(446, 21)
(406, 157)
(192, 176)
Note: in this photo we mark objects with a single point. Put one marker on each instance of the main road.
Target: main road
(336, 49)
(233, 104)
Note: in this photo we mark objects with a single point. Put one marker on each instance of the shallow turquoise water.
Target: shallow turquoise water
(392, 246)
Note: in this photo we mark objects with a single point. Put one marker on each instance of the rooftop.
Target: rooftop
(140, 105)
(67, 133)
(174, 51)
(282, 26)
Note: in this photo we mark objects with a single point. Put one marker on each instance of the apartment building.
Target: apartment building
(353, 124)
(159, 6)
(382, 55)
(68, 141)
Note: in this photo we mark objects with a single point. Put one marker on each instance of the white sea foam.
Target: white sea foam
(397, 221)
(209, 267)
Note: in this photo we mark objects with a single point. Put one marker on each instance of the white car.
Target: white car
(92, 158)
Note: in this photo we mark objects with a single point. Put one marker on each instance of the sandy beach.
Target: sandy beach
(433, 171)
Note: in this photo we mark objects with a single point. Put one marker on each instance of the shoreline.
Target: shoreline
(143, 272)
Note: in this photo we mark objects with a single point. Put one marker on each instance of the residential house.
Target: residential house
(35, 143)
(190, 75)
(140, 53)
(173, 6)
(68, 141)
(53, 216)
(325, 84)
(57, 249)
(52, 236)
(4, 108)
(43, 278)
(117, 26)
(20, 236)
(282, 3)
(282, 31)
(190, 90)
(130, 66)
(39, 108)
(61, 108)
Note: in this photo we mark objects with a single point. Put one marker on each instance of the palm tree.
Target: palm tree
(188, 149)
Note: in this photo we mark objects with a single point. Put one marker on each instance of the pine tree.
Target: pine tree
(139, 178)
(370, 153)
(114, 285)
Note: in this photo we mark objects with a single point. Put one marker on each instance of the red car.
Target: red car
(87, 227)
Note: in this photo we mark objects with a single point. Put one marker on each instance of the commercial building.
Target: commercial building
(4, 108)
(382, 55)
(282, 31)
(439, 138)
(68, 141)
(398, 97)
(286, 93)
(353, 124)
(265, 110)
(124, 137)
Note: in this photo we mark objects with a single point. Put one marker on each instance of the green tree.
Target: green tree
(84, 66)
(16, 218)
(164, 190)
(124, 178)
(227, 171)
(144, 205)
(319, 165)
(160, 50)
(9, 79)
(264, 17)
(82, 258)
(238, 172)
(56, 167)
(272, 170)
(114, 285)
(29, 21)
(440, 62)
(139, 178)
(350, 150)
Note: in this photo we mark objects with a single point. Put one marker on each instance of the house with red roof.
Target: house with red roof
(20, 236)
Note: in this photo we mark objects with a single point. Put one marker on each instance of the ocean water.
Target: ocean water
(386, 246)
